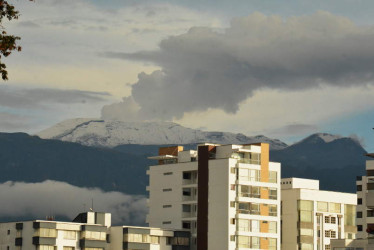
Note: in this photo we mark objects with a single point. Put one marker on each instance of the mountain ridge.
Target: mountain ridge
(101, 133)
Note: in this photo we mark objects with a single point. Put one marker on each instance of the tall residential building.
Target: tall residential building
(88, 231)
(228, 196)
(312, 217)
(365, 212)
(365, 201)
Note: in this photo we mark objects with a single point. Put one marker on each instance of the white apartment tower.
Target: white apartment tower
(365, 202)
(311, 218)
(228, 196)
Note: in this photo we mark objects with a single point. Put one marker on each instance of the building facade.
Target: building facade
(88, 231)
(227, 196)
(311, 218)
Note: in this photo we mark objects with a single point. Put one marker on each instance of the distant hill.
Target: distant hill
(333, 160)
(100, 133)
(31, 159)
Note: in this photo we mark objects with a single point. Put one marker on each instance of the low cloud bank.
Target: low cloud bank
(62, 199)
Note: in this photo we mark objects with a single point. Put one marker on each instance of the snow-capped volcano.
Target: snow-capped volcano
(100, 133)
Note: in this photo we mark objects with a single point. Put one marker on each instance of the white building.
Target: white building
(312, 217)
(228, 196)
(88, 231)
(365, 212)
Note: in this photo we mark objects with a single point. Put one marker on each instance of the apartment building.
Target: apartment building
(126, 237)
(227, 196)
(88, 231)
(311, 218)
(365, 202)
(365, 212)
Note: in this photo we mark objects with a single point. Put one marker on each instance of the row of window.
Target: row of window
(255, 192)
(322, 206)
(369, 213)
(70, 235)
(254, 208)
(254, 242)
(245, 174)
(255, 225)
(145, 238)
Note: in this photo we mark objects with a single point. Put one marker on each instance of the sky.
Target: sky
(284, 69)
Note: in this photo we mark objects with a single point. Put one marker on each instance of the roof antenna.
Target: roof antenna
(92, 207)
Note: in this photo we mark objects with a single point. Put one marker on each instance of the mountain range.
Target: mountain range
(119, 163)
(100, 133)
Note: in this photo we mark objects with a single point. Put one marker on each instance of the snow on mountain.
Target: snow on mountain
(100, 133)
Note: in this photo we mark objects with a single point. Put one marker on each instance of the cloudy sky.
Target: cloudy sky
(285, 69)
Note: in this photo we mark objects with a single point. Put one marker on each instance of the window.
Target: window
(70, 235)
(272, 244)
(68, 248)
(272, 176)
(187, 175)
(333, 234)
(273, 193)
(243, 225)
(233, 187)
(322, 206)
(327, 219)
(232, 203)
(334, 207)
(92, 235)
(359, 228)
(186, 225)
(359, 201)
(179, 241)
(327, 247)
(186, 208)
(46, 232)
(359, 187)
(167, 190)
(306, 216)
(8, 232)
(155, 239)
(273, 227)
(249, 174)
(327, 233)
(166, 206)
(232, 170)
(168, 173)
(306, 246)
(305, 205)
(333, 220)
(166, 222)
(306, 231)
(45, 247)
(232, 237)
(244, 241)
(272, 210)
(359, 214)
(255, 226)
(232, 221)
(349, 215)
(370, 213)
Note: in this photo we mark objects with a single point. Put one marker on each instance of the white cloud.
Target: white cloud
(59, 198)
(207, 69)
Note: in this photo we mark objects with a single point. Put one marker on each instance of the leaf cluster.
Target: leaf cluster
(8, 43)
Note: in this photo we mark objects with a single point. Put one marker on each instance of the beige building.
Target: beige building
(365, 212)
(88, 231)
(311, 218)
(227, 196)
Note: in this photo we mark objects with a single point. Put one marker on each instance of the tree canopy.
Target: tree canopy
(8, 43)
